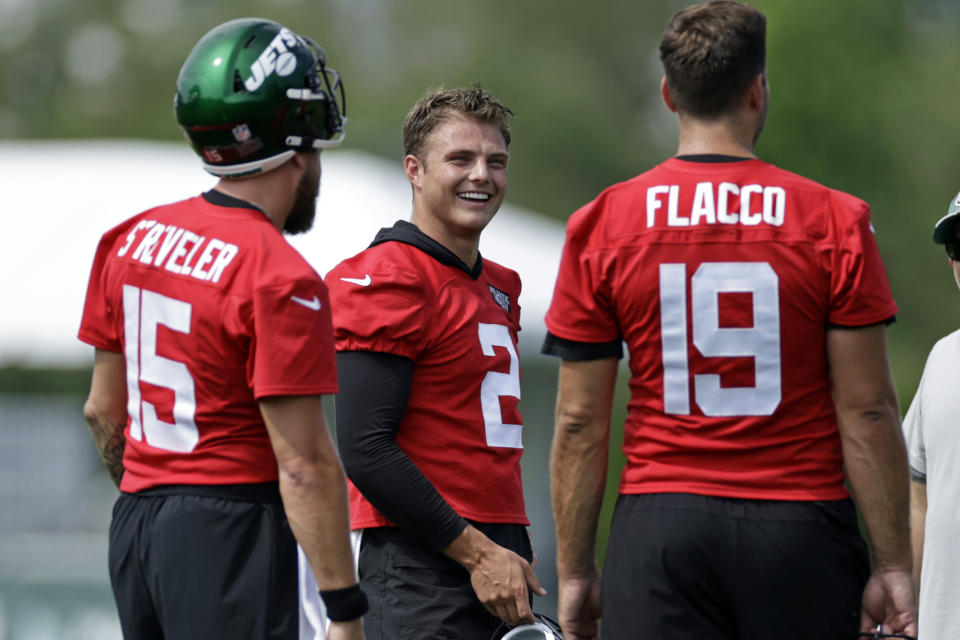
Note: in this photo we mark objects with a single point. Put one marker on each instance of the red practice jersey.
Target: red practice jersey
(213, 310)
(462, 427)
(723, 278)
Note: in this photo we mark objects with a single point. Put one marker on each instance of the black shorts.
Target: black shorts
(419, 594)
(690, 567)
(204, 563)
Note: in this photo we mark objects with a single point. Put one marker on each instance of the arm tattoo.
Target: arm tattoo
(110, 442)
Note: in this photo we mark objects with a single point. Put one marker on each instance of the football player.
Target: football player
(427, 418)
(213, 345)
(754, 305)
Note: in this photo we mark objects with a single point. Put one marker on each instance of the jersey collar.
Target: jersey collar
(408, 233)
(221, 199)
(711, 157)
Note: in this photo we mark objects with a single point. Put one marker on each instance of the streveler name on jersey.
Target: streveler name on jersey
(179, 250)
(724, 203)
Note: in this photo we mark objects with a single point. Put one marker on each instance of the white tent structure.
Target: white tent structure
(58, 197)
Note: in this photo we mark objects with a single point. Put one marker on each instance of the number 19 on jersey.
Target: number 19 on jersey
(761, 341)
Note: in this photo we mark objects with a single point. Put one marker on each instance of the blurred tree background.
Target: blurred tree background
(861, 101)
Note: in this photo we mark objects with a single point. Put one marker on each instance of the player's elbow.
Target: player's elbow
(352, 453)
(580, 422)
(868, 430)
(866, 400)
(866, 416)
(97, 412)
(367, 455)
(571, 421)
(303, 475)
(369, 471)
(91, 412)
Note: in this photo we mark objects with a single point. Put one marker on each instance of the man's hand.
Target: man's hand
(889, 600)
(501, 580)
(351, 630)
(499, 577)
(578, 607)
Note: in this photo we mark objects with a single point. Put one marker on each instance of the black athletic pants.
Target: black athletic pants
(690, 567)
(204, 563)
(419, 594)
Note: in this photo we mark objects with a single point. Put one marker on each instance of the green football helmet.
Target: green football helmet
(252, 93)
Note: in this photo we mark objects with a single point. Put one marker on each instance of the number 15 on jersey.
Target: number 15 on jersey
(702, 313)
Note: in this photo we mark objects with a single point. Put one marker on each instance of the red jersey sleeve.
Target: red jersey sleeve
(292, 352)
(97, 325)
(580, 309)
(388, 314)
(859, 288)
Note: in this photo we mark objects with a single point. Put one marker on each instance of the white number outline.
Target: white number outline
(496, 384)
(761, 341)
(143, 312)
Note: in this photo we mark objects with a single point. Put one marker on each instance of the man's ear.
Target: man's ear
(300, 160)
(665, 94)
(756, 92)
(413, 168)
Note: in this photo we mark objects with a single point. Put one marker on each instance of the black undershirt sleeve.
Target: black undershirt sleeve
(580, 351)
(889, 321)
(374, 389)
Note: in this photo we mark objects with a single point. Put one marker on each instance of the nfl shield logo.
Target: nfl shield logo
(241, 133)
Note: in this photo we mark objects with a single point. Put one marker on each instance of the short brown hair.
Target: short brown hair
(439, 105)
(710, 53)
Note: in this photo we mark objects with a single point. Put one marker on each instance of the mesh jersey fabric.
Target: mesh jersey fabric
(213, 310)
(462, 426)
(722, 278)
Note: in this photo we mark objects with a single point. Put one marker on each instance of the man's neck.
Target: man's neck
(717, 137)
(467, 249)
(272, 193)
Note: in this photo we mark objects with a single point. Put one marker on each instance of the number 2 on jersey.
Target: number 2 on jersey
(761, 341)
(143, 312)
(496, 384)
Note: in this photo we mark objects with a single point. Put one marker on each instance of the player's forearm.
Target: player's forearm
(109, 439)
(874, 454)
(374, 390)
(394, 485)
(106, 410)
(876, 464)
(469, 548)
(578, 460)
(578, 474)
(312, 485)
(315, 500)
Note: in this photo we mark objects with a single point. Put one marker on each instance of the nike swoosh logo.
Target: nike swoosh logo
(309, 304)
(363, 282)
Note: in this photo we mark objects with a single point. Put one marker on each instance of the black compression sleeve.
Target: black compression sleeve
(374, 389)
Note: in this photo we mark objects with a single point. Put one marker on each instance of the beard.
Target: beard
(304, 208)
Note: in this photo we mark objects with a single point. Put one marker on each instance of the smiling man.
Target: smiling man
(427, 418)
